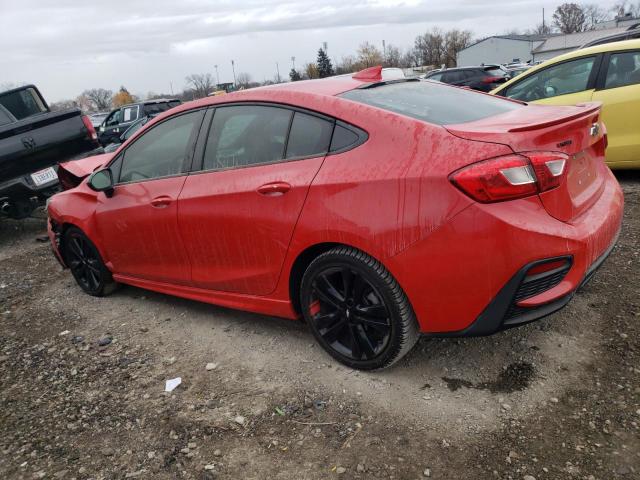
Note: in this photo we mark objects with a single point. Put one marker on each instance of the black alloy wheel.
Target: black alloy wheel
(356, 310)
(86, 265)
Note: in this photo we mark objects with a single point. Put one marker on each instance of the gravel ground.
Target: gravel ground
(82, 393)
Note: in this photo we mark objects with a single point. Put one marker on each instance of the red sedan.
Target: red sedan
(375, 210)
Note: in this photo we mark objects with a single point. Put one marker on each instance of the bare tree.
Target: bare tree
(99, 98)
(625, 6)
(454, 41)
(200, 84)
(63, 105)
(429, 48)
(311, 70)
(243, 80)
(594, 15)
(369, 55)
(570, 18)
(540, 29)
(346, 65)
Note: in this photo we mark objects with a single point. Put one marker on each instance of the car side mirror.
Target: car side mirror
(102, 181)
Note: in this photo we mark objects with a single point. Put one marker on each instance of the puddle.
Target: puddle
(514, 378)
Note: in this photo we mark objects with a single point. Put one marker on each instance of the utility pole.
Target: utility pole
(217, 76)
(233, 67)
(384, 51)
(325, 46)
(293, 63)
(543, 27)
(171, 87)
(278, 72)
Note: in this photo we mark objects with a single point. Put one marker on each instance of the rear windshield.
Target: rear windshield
(155, 108)
(23, 103)
(432, 102)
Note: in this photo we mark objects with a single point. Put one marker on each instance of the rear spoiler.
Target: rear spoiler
(589, 109)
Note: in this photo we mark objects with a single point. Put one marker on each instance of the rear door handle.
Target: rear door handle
(161, 202)
(275, 188)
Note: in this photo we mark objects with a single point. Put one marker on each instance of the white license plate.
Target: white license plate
(44, 176)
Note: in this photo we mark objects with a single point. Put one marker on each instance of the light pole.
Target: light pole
(217, 76)
(233, 67)
(278, 72)
(293, 63)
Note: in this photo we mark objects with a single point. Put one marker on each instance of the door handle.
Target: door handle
(161, 202)
(274, 189)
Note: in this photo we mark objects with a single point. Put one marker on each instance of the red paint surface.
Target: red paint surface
(225, 238)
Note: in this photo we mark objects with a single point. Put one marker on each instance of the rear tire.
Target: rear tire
(357, 310)
(86, 265)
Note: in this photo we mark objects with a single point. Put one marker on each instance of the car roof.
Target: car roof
(582, 52)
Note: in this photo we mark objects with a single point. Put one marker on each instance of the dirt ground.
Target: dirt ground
(557, 399)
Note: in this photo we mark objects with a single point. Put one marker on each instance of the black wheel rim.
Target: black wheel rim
(349, 313)
(84, 263)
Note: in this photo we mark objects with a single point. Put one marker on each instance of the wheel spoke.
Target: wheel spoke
(75, 264)
(365, 343)
(347, 282)
(75, 245)
(91, 263)
(332, 334)
(93, 278)
(356, 350)
(326, 320)
(375, 324)
(373, 312)
(358, 289)
(327, 292)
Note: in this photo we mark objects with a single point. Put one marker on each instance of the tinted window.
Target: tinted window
(436, 76)
(309, 135)
(432, 102)
(23, 103)
(161, 151)
(246, 135)
(453, 77)
(4, 117)
(342, 138)
(129, 114)
(624, 69)
(561, 79)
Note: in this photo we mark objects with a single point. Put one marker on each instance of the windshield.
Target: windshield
(433, 102)
(23, 103)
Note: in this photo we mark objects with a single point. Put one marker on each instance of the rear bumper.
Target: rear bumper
(503, 312)
(463, 278)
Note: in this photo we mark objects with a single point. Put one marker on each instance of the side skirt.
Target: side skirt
(237, 301)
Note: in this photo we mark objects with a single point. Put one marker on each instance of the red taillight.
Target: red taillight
(511, 176)
(492, 79)
(91, 131)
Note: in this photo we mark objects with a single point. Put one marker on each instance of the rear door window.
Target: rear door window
(623, 70)
(246, 135)
(432, 102)
(309, 136)
(23, 103)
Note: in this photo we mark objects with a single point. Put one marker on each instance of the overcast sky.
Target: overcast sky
(67, 46)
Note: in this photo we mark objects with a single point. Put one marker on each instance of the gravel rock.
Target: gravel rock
(340, 470)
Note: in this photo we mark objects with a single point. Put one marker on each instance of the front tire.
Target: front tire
(357, 310)
(86, 265)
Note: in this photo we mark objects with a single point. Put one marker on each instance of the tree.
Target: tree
(294, 75)
(540, 29)
(454, 41)
(243, 80)
(368, 56)
(200, 84)
(625, 6)
(429, 48)
(63, 105)
(311, 71)
(99, 98)
(325, 69)
(570, 18)
(593, 15)
(346, 65)
(123, 97)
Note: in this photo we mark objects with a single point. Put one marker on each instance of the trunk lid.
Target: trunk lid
(573, 130)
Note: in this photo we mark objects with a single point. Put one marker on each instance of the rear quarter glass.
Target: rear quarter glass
(432, 102)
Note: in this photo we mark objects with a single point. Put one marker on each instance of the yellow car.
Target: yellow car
(608, 73)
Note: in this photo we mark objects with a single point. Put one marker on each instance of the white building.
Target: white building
(500, 49)
(523, 48)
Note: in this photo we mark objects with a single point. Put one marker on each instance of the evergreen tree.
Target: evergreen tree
(325, 69)
(294, 75)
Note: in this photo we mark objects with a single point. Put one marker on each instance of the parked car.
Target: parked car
(374, 209)
(133, 128)
(97, 118)
(33, 140)
(121, 118)
(484, 78)
(608, 73)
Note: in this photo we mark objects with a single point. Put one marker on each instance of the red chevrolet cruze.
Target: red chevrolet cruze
(374, 209)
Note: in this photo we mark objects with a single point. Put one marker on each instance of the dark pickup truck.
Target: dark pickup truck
(33, 141)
